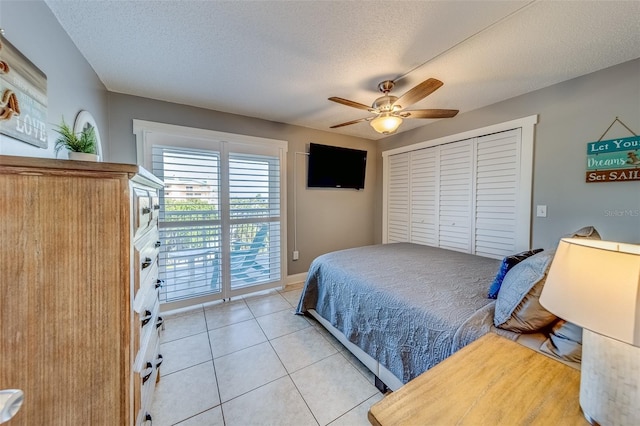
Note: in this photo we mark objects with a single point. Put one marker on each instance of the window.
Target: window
(221, 225)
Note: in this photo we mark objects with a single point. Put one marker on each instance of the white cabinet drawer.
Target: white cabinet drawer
(145, 255)
(147, 291)
(147, 381)
(142, 210)
(150, 323)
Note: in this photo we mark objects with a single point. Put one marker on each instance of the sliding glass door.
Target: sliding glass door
(221, 216)
(190, 221)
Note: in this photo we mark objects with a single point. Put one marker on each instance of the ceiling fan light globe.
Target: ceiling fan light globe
(386, 123)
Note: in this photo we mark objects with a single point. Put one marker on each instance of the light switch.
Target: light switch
(541, 211)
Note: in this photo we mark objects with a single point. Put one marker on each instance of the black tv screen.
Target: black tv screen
(336, 167)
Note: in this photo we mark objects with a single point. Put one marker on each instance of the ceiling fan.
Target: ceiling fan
(390, 110)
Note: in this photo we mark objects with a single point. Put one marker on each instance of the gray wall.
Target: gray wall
(72, 85)
(327, 219)
(570, 115)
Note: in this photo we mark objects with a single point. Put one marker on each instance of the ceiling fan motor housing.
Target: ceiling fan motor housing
(386, 104)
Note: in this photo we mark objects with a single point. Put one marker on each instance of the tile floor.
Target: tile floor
(251, 361)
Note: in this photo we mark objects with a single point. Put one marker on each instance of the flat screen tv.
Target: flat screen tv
(336, 167)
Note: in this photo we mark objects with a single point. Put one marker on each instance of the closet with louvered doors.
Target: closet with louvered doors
(471, 195)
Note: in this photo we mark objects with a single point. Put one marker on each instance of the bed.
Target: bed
(405, 305)
(401, 308)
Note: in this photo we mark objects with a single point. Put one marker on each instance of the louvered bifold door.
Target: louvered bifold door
(498, 157)
(425, 171)
(456, 195)
(398, 199)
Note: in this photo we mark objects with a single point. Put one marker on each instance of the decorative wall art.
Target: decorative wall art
(614, 160)
(23, 97)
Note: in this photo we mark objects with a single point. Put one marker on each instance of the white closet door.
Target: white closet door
(497, 182)
(398, 199)
(425, 169)
(456, 195)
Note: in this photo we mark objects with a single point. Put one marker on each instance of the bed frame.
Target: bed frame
(384, 378)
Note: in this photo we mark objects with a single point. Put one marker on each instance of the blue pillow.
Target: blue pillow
(507, 263)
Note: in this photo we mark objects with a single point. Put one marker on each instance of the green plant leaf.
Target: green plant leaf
(85, 141)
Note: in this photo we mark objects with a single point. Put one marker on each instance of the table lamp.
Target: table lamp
(596, 285)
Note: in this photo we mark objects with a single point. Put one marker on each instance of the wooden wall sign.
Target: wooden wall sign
(23, 97)
(614, 160)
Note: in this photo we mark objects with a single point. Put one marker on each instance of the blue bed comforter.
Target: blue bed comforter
(408, 306)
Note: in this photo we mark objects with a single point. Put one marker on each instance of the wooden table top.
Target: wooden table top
(492, 381)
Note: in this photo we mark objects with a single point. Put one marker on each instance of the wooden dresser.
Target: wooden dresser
(79, 304)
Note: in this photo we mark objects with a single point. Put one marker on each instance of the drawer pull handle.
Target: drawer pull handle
(159, 283)
(146, 263)
(159, 359)
(148, 367)
(147, 418)
(157, 244)
(146, 318)
(160, 322)
(156, 206)
(146, 210)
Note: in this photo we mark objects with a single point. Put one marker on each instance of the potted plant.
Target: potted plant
(81, 146)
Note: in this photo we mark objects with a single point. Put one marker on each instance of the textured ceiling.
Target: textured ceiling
(281, 60)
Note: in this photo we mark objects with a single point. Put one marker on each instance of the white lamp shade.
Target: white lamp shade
(596, 285)
(386, 123)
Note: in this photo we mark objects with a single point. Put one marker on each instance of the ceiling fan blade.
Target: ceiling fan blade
(430, 113)
(352, 122)
(419, 92)
(353, 104)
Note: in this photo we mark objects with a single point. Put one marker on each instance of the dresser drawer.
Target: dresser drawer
(149, 323)
(142, 210)
(145, 383)
(145, 256)
(155, 208)
(147, 290)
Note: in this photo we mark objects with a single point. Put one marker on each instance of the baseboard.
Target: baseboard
(295, 281)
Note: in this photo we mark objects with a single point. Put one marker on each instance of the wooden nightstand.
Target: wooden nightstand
(492, 381)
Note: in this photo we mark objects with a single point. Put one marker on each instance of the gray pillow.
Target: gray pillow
(564, 342)
(518, 308)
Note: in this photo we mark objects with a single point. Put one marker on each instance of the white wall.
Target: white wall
(72, 85)
(571, 114)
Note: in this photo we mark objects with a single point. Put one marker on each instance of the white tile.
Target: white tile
(247, 369)
(212, 417)
(185, 352)
(292, 296)
(264, 305)
(227, 313)
(302, 348)
(353, 360)
(358, 416)
(184, 394)
(179, 326)
(281, 323)
(276, 403)
(235, 337)
(332, 387)
(187, 310)
(327, 335)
